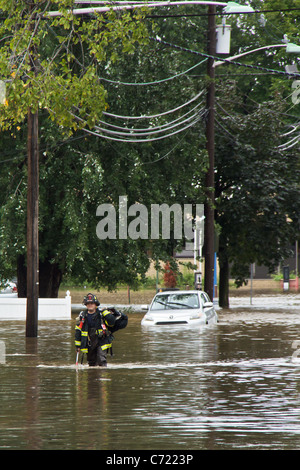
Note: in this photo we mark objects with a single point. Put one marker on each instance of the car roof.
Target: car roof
(181, 292)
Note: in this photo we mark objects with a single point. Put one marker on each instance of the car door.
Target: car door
(207, 306)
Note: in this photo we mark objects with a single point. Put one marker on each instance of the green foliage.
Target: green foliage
(257, 185)
(257, 190)
(257, 181)
(52, 63)
(279, 276)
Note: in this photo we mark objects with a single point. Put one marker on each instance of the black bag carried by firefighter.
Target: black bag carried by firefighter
(121, 320)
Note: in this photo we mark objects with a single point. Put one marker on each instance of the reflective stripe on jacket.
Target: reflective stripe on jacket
(103, 320)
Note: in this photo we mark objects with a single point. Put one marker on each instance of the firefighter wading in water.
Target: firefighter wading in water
(93, 330)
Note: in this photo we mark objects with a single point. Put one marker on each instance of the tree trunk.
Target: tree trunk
(224, 280)
(50, 277)
(22, 276)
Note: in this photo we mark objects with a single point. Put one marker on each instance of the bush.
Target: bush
(170, 278)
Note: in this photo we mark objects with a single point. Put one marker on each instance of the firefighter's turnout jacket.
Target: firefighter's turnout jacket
(94, 331)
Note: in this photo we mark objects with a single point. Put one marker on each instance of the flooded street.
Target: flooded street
(234, 385)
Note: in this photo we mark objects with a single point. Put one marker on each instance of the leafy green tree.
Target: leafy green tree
(257, 193)
(164, 171)
(57, 81)
(80, 171)
(257, 175)
(50, 64)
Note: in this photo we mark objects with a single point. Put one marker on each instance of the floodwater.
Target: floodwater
(234, 385)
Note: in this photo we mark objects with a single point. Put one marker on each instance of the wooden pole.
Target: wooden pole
(210, 142)
(32, 226)
(32, 212)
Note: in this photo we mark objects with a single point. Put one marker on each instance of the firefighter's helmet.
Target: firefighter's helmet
(91, 298)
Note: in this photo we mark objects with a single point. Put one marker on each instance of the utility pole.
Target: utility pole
(210, 145)
(32, 225)
(32, 216)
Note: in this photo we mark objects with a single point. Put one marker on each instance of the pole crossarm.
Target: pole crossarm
(132, 6)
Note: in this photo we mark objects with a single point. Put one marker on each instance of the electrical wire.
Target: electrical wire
(152, 127)
(155, 115)
(156, 82)
(48, 148)
(168, 153)
(191, 124)
(149, 131)
(132, 6)
(143, 84)
(139, 2)
(233, 62)
(290, 132)
(120, 132)
(291, 143)
(120, 82)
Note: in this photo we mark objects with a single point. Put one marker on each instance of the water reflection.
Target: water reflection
(234, 385)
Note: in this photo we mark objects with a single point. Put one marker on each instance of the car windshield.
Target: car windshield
(172, 301)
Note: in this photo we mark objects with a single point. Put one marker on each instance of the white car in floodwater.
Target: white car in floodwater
(190, 307)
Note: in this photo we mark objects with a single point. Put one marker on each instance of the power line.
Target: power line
(224, 13)
(281, 10)
(169, 4)
(149, 131)
(167, 154)
(282, 147)
(121, 138)
(133, 6)
(53, 146)
(154, 115)
(152, 127)
(240, 64)
(156, 82)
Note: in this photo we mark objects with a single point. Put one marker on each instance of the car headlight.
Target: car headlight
(195, 315)
(148, 318)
